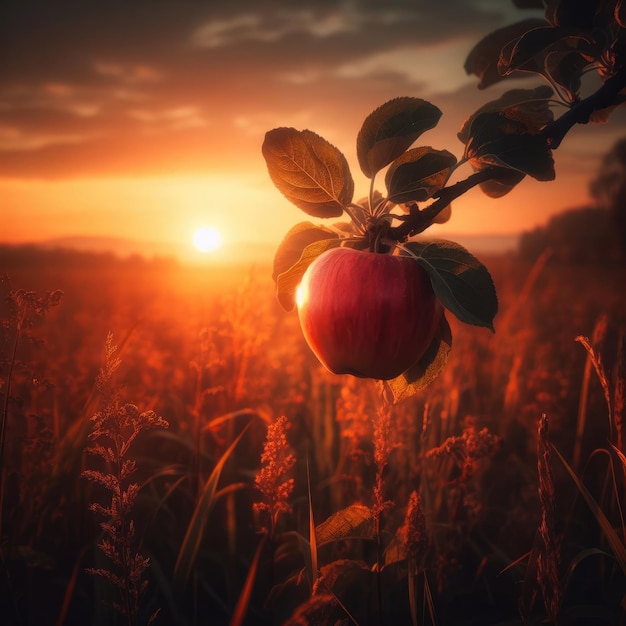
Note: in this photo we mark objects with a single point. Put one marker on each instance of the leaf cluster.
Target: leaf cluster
(573, 38)
(315, 176)
(505, 140)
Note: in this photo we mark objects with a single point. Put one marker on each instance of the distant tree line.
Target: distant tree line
(591, 234)
(26, 256)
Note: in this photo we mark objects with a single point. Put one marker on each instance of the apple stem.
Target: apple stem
(378, 232)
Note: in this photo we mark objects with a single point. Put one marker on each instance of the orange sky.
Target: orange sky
(145, 120)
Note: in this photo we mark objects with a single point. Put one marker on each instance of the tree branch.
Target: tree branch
(606, 96)
(418, 221)
(581, 112)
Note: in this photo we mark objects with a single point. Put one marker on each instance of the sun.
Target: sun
(207, 239)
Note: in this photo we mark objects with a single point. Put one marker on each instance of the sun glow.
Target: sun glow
(207, 239)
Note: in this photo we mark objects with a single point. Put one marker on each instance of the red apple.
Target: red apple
(366, 314)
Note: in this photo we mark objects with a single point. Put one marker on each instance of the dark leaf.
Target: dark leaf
(395, 551)
(287, 282)
(348, 579)
(498, 140)
(418, 174)
(389, 130)
(461, 282)
(620, 13)
(529, 4)
(582, 14)
(426, 370)
(309, 171)
(566, 70)
(484, 56)
(444, 215)
(355, 521)
(295, 241)
(601, 116)
(523, 54)
(502, 181)
(529, 105)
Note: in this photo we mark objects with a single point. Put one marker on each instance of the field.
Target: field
(493, 497)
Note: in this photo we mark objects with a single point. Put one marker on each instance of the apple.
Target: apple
(367, 314)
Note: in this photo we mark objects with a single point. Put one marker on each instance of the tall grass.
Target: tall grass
(281, 494)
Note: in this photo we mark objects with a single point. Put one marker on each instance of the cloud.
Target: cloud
(435, 67)
(128, 88)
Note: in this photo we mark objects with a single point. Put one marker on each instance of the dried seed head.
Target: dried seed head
(413, 533)
(272, 479)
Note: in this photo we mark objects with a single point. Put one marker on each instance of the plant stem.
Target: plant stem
(5, 412)
(196, 478)
(379, 563)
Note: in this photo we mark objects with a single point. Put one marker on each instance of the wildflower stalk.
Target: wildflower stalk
(5, 412)
(550, 552)
(116, 426)
(382, 450)
(275, 486)
(30, 308)
(415, 541)
(619, 392)
(272, 479)
(599, 334)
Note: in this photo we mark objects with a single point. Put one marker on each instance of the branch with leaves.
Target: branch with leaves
(505, 140)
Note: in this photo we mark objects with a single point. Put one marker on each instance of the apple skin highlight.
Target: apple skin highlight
(366, 314)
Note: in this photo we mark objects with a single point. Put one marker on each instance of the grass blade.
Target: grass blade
(244, 598)
(596, 361)
(69, 590)
(429, 601)
(618, 548)
(312, 535)
(191, 543)
(412, 580)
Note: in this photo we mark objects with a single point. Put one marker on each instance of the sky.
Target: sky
(144, 119)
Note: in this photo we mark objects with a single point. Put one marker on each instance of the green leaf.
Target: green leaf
(484, 56)
(353, 522)
(460, 281)
(496, 139)
(295, 241)
(426, 370)
(309, 171)
(389, 130)
(418, 174)
(530, 105)
(287, 282)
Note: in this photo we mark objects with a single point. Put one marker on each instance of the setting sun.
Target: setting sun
(207, 239)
